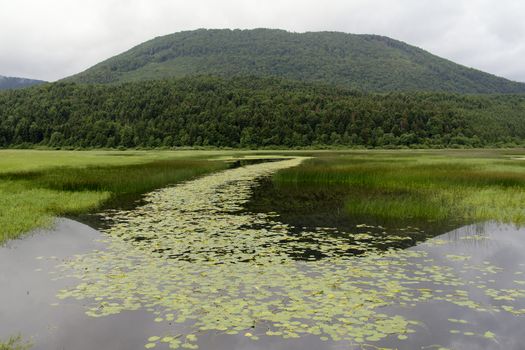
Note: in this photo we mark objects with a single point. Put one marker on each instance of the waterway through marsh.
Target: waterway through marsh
(192, 268)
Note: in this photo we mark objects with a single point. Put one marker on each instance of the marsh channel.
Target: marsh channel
(211, 263)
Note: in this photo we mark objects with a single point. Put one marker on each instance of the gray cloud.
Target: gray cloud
(56, 38)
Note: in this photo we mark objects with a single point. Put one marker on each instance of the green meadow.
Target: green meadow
(462, 186)
(36, 186)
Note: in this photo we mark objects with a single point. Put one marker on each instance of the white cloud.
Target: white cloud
(56, 38)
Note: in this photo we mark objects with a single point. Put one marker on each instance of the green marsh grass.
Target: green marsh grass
(32, 196)
(14, 343)
(36, 186)
(123, 179)
(434, 186)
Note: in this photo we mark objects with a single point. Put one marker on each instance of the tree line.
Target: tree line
(253, 113)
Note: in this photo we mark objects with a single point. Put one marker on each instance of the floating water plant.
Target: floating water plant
(192, 256)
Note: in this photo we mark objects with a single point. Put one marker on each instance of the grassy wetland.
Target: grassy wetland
(314, 250)
(36, 186)
(460, 186)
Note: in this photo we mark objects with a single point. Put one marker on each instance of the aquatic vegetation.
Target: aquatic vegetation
(438, 187)
(118, 180)
(191, 255)
(32, 194)
(14, 343)
(23, 207)
(472, 185)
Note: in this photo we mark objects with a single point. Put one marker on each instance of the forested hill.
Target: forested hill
(251, 112)
(365, 62)
(17, 83)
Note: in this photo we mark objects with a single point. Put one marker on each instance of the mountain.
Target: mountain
(17, 83)
(365, 62)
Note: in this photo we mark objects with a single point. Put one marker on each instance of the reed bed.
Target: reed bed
(432, 187)
(31, 198)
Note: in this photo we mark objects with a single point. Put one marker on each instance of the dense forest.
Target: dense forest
(252, 112)
(365, 62)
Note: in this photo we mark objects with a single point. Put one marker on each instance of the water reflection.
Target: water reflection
(28, 293)
(192, 263)
(490, 259)
(314, 214)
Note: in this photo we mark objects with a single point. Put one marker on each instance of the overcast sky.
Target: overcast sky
(52, 39)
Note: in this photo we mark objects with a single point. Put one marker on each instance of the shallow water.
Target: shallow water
(311, 207)
(207, 259)
(131, 201)
(487, 258)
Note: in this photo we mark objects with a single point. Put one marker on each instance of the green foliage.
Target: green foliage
(366, 62)
(30, 199)
(252, 113)
(14, 343)
(125, 179)
(24, 207)
(423, 187)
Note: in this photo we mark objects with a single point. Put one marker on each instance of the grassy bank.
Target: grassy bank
(37, 186)
(430, 186)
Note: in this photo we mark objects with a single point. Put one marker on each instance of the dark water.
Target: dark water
(28, 292)
(312, 208)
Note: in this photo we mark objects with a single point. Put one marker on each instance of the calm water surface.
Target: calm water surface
(28, 302)
(485, 257)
